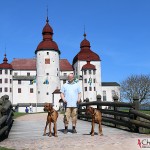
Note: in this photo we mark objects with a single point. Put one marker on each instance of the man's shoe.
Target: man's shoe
(74, 131)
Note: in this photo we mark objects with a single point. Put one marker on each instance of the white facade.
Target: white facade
(6, 83)
(47, 75)
(109, 92)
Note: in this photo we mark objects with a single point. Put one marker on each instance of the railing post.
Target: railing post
(79, 108)
(136, 107)
(136, 103)
(115, 98)
(99, 100)
(86, 100)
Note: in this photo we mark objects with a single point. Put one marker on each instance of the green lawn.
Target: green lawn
(18, 114)
(143, 111)
(3, 148)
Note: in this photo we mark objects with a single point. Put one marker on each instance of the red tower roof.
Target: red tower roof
(47, 43)
(5, 65)
(88, 66)
(85, 52)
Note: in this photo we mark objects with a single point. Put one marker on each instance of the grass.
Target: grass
(3, 148)
(18, 114)
(143, 111)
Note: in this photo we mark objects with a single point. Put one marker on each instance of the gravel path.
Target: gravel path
(27, 134)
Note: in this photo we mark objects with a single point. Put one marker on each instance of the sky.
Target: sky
(118, 31)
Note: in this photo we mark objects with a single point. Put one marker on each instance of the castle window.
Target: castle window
(0, 90)
(85, 80)
(19, 81)
(28, 73)
(104, 96)
(0, 71)
(65, 74)
(19, 90)
(47, 61)
(89, 71)
(94, 88)
(47, 74)
(0, 80)
(10, 72)
(38, 92)
(10, 90)
(6, 71)
(6, 89)
(47, 93)
(94, 80)
(85, 88)
(47, 53)
(6, 80)
(15, 74)
(113, 92)
(94, 72)
(31, 90)
(84, 72)
(90, 88)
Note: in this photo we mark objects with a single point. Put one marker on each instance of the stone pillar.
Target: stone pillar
(99, 100)
(136, 103)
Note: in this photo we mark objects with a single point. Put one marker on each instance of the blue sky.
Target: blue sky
(118, 30)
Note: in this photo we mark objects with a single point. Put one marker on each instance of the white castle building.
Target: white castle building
(38, 80)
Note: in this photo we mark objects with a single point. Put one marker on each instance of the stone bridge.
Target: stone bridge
(27, 134)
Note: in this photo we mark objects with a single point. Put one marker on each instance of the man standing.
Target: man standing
(71, 95)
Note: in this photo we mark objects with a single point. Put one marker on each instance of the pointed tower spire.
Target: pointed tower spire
(5, 59)
(47, 15)
(84, 33)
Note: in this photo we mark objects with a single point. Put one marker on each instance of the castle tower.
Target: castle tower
(47, 64)
(88, 65)
(89, 80)
(6, 78)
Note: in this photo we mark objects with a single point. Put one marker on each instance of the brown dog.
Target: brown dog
(51, 118)
(96, 117)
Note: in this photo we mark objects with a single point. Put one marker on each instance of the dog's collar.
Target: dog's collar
(94, 112)
(50, 112)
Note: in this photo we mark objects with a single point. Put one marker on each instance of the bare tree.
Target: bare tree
(136, 85)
